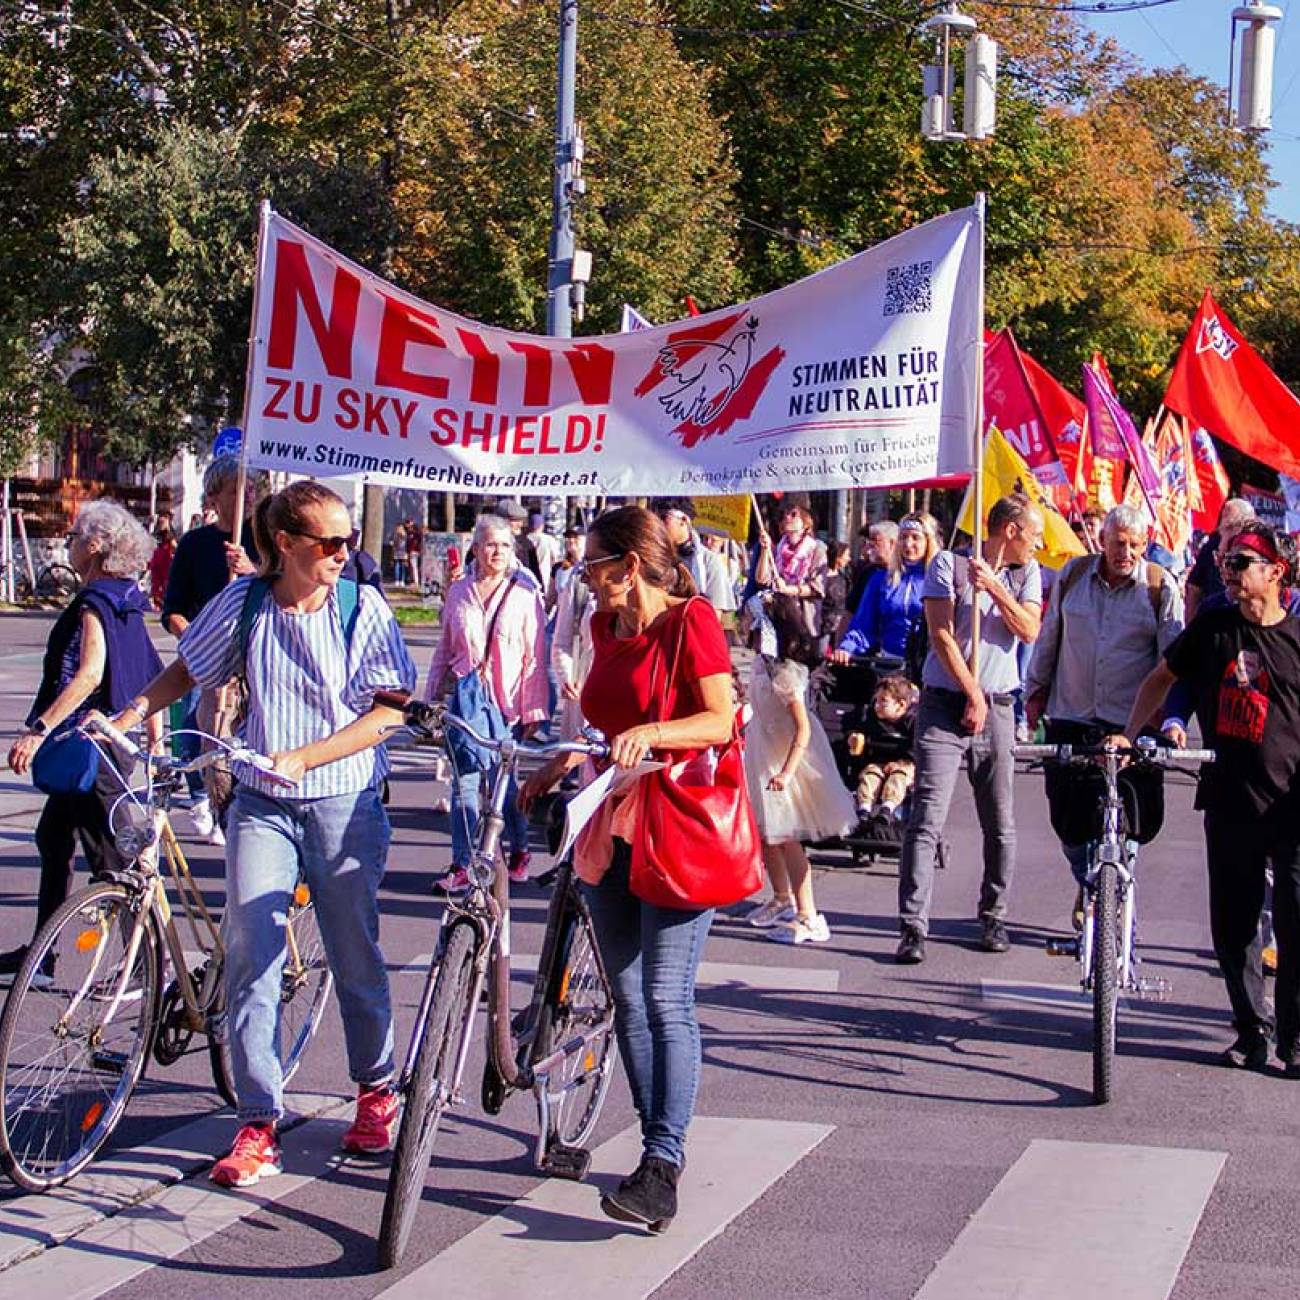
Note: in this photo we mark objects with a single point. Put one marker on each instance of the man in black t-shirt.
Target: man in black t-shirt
(1243, 663)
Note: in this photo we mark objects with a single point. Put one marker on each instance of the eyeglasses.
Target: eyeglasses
(332, 545)
(583, 566)
(1240, 563)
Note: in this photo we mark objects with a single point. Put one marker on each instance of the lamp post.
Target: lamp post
(1253, 110)
(979, 64)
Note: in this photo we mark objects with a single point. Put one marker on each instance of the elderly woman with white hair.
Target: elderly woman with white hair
(491, 665)
(97, 657)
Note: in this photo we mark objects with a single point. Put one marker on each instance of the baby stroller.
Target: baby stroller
(842, 706)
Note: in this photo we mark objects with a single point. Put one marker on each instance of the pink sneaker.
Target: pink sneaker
(518, 865)
(455, 880)
(371, 1133)
(255, 1155)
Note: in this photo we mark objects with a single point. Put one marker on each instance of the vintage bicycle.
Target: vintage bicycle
(109, 981)
(560, 1047)
(1107, 945)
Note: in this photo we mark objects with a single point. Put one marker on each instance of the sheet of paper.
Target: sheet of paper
(582, 807)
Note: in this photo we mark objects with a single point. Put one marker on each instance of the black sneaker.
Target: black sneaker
(1291, 1069)
(648, 1195)
(1248, 1052)
(911, 947)
(9, 963)
(993, 935)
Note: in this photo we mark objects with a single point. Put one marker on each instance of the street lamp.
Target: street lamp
(939, 80)
(1254, 108)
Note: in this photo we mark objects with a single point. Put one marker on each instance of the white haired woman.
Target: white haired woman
(493, 625)
(97, 657)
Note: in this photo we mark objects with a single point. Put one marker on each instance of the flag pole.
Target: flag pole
(259, 274)
(977, 483)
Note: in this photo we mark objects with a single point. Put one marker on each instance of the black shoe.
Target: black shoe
(1249, 1052)
(993, 935)
(10, 962)
(648, 1195)
(911, 947)
(1291, 1069)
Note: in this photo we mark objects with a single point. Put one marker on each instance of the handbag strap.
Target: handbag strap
(492, 624)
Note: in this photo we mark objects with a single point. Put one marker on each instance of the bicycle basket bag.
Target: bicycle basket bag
(1075, 796)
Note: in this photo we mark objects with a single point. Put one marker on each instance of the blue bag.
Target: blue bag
(470, 699)
(67, 763)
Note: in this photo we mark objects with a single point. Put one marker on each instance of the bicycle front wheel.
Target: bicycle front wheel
(579, 1007)
(451, 1015)
(1105, 981)
(57, 582)
(76, 1032)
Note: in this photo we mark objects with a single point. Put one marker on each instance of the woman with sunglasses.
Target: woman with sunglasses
(1243, 661)
(643, 614)
(311, 680)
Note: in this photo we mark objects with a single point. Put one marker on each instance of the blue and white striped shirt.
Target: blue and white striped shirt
(303, 683)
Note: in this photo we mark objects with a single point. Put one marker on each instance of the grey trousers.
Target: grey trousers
(941, 749)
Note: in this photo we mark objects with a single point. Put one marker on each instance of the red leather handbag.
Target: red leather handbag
(696, 842)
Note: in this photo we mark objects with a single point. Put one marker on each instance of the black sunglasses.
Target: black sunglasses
(1240, 563)
(583, 566)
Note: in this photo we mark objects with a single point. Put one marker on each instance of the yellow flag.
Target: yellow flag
(1005, 472)
(728, 515)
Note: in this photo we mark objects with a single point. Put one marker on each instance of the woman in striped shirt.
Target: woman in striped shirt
(311, 683)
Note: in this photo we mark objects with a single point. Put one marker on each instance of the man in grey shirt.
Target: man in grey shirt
(1111, 618)
(958, 707)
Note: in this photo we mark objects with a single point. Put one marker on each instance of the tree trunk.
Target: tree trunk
(372, 522)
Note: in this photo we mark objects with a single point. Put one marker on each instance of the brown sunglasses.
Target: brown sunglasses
(332, 545)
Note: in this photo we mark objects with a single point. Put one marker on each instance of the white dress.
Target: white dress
(814, 804)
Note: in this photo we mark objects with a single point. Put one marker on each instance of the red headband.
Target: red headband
(1258, 542)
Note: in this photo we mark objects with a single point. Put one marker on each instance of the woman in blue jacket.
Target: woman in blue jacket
(891, 604)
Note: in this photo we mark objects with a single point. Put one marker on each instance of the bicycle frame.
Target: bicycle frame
(1114, 849)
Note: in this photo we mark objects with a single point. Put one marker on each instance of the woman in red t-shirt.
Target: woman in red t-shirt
(652, 953)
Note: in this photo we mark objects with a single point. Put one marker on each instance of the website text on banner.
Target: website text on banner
(861, 375)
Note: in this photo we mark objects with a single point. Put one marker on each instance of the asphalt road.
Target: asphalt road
(865, 1127)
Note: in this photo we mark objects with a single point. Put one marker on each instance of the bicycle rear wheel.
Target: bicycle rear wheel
(57, 582)
(579, 1003)
(1105, 981)
(67, 1070)
(451, 1015)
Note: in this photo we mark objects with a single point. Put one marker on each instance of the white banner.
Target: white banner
(862, 375)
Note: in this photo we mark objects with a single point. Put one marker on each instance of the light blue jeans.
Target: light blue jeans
(652, 955)
(340, 843)
(465, 804)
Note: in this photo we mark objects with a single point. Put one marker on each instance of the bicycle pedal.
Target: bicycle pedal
(109, 1062)
(1153, 989)
(562, 1161)
(1062, 947)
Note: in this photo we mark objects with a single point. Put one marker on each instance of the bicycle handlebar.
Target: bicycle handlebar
(166, 763)
(1149, 752)
(428, 719)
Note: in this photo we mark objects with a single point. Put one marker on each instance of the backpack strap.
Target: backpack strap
(252, 606)
(349, 597)
(1155, 587)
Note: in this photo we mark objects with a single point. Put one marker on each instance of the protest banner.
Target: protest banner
(862, 375)
(728, 515)
(1011, 403)
(1269, 507)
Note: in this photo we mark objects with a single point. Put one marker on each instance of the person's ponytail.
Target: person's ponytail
(683, 584)
(264, 538)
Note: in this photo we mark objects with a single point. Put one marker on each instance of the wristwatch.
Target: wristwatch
(38, 728)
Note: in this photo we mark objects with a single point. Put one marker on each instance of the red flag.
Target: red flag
(1211, 478)
(1170, 447)
(1009, 402)
(1222, 384)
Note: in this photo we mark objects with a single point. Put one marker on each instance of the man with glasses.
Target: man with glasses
(968, 719)
(1243, 663)
(707, 568)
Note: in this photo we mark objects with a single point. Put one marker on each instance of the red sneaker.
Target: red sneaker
(254, 1156)
(518, 865)
(371, 1133)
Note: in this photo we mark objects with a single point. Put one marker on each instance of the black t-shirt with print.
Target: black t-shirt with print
(1247, 683)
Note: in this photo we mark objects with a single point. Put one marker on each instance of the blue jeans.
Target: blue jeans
(191, 746)
(465, 814)
(340, 843)
(652, 955)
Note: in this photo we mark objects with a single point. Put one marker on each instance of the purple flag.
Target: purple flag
(1114, 436)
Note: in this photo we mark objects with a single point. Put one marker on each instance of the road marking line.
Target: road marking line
(112, 1253)
(1078, 1220)
(1070, 996)
(31, 1224)
(554, 1244)
(714, 974)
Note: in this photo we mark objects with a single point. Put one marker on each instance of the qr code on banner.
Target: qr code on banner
(907, 289)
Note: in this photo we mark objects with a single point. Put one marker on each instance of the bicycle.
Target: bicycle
(88, 1006)
(1106, 947)
(560, 1047)
(56, 584)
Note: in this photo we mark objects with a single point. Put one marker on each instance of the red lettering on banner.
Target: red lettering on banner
(294, 285)
(445, 434)
(485, 374)
(305, 412)
(272, 411)
(537, 373)
(403, 326)
(593, 372)
(547, 447)
(347, 416)
(525, 431)
(402, 414)
(373, 419)
(471, 430)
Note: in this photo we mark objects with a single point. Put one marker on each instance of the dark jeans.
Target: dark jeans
(65, 819)
(1237, 854)
(190, 746)
(942, 748)
(652, 955)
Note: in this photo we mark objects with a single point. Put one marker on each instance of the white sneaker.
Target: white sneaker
(809, 929)
(202, 818)
(773, 912)
(217, 837)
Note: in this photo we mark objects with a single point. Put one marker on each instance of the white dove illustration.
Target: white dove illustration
(708, 377)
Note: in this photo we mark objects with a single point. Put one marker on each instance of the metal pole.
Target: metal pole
(7, 549)
(977, 487)
(559, 280)
(259, 274)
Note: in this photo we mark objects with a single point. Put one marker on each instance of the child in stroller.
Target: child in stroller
(881, 754)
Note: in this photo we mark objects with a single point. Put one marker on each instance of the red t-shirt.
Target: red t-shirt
(625, 670)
